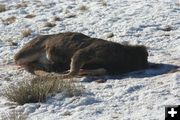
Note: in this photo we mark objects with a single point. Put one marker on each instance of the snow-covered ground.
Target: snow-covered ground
(137, 96)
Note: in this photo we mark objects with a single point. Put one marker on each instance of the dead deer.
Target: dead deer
(80, 54)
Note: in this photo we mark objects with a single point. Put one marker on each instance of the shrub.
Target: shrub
(83, 8)
(40, 88)
(103, 2)
(56, 18)
(49, 24)
(14, 115)
(167, 28)
(26, 32)
(23, 4)
(70, 15)
(9, 20)
(30, 16)
(2, 7)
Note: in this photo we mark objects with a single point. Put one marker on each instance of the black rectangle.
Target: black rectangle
(172, 112)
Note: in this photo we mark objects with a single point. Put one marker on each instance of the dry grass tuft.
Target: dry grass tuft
(56, 18)
(14, 115)
(71, 88)
(103, 2)
(23, 4)
(2, 7)
(70, 15)
(40, 88)
(30, 16)
(9, 20)
(178, 4)
(49, 24)
(26, 32)
(83, 8)
(167, 28)
(10, 42)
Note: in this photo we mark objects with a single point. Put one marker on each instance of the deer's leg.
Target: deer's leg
(80, 58)
(41, 73)
(76, 62)
(94, 72)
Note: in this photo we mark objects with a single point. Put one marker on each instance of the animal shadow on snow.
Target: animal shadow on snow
(154, 69)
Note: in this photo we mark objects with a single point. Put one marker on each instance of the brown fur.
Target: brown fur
(76, 51)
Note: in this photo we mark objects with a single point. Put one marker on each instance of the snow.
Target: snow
(137, 95)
